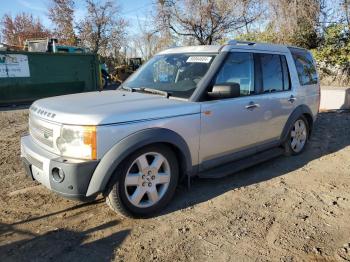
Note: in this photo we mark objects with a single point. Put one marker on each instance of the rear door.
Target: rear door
(276, 96)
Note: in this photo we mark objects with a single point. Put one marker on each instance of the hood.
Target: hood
(109, 107)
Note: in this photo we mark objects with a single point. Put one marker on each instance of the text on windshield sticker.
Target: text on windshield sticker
(198, 59)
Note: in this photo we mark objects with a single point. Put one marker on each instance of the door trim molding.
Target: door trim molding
(238, 154)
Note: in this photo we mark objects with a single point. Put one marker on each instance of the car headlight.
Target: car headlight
(77, 142)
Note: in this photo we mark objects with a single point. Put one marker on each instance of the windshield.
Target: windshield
(175, 74)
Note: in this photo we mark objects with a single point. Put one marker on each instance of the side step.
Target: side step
(241, 164)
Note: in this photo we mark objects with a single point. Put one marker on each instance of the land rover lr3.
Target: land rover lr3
(199, 110)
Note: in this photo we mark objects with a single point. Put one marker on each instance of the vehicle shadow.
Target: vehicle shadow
(63, 245)
(78, 206)
(331, 133)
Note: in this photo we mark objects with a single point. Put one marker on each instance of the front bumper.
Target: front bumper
(40, 164)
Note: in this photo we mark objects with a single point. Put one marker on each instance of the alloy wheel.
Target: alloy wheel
(298, 136)
(147, 179)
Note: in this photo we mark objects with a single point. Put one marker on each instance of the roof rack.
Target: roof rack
(238, 42)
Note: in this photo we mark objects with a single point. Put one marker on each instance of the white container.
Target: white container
(333, 99)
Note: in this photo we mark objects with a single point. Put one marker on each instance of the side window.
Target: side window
(238, 68)
(272, 74)
(305, 67)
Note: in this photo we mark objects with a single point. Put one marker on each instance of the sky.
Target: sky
(132, 10)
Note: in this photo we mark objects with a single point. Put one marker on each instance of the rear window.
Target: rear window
(305, 66)
(272, 75)
(275, 74)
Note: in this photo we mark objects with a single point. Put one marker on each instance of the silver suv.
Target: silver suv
(199, 110)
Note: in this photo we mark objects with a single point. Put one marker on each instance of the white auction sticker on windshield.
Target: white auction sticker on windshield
(199, 59)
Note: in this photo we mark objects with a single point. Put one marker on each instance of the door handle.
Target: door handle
(252, 105)
(292, 99)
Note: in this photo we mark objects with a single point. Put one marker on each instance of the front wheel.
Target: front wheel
(146, 182)
(297, 137)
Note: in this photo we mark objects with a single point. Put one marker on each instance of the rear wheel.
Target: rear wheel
(146, 182)
(104, 82)
(297, 137)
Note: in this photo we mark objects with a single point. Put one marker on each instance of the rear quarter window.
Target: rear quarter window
(305, 66)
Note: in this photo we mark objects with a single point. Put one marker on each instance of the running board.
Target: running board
(238, 165)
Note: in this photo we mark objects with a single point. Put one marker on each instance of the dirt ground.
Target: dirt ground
(287, 209)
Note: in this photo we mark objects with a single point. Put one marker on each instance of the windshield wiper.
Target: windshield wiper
(155, 91)
(146, 90)
(130, 89)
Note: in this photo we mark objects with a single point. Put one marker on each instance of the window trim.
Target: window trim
(201, 94)
(286, 70)
(258, 74)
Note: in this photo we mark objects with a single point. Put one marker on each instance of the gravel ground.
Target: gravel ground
(287, 209)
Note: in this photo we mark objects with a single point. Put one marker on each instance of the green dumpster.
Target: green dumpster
(26, 76)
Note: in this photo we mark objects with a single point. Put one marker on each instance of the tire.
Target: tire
(141, 188)
(297, 138)
(104, 82)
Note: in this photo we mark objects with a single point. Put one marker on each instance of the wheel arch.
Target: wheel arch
(114, 157)
(310, 121)
(301, 110)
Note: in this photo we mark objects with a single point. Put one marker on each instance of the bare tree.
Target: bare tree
(252, 11)
(16, 30)
(296, 22)
(346, 10)
(206, 21)
(149, 41)
(102, 30)
(145, 44)
(61, 13)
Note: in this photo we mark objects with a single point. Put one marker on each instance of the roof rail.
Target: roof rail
(238, 42)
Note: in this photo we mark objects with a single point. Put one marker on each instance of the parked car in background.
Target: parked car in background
(204, 111)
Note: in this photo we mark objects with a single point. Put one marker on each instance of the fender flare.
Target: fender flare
(298, 111)
(109, 162)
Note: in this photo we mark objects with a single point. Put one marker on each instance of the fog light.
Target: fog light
(57, 174)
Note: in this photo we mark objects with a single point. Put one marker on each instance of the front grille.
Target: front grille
(40, 133)
(34, 161)
(41, 128)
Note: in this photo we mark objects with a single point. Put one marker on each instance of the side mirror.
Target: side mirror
(227, 90)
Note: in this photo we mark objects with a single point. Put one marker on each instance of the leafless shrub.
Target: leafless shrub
(103, 29)
(206, 21)
(61, 14)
